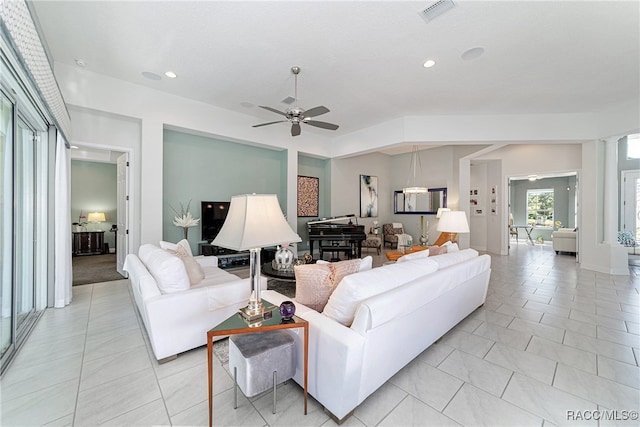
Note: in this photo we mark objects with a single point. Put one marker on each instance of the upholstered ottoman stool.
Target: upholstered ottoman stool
(260, 361)
(373, 242)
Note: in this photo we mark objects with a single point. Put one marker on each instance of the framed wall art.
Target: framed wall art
(368, 196)
(308, 196)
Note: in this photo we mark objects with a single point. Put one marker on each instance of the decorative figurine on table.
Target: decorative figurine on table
(287, 310)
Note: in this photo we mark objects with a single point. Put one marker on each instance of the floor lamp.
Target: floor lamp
(453, 222)
(254, 221)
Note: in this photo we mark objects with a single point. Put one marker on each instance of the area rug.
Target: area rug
(94, 269)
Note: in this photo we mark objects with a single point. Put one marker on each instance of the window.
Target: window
(633, 146)
(540, 207)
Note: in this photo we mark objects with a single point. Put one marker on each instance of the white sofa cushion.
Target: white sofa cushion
(414, 256)
(355, 288)
(167, 269)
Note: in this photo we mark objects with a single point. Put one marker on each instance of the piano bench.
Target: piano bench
(348, 251)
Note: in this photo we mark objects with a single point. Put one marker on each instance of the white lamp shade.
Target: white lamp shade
(255, 221)
(453, 222)
(96, 217)
(440, 210)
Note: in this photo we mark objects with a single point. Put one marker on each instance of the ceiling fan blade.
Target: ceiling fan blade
(273, 110)
(316, 111)
(270, 123)
(323, 125)
(295, 129)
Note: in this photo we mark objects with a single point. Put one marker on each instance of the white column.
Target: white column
(611, 190)
(151, 182)
(292, 189)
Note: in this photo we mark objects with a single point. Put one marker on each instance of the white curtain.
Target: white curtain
(63, 269)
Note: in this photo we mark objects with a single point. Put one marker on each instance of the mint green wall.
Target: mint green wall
(197, 168)
(93, 188)
(319, 168)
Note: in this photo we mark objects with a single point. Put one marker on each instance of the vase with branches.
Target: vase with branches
(184, 218)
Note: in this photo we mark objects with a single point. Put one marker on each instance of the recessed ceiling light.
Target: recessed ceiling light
(473, 53)
(429, 63)
(171, 74)
(151, 76)
(81, 63)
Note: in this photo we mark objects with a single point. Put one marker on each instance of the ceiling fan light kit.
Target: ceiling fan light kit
(296, 115)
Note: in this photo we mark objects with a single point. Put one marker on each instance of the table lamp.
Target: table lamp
(453, 222)
(254, 221)
(96, 217)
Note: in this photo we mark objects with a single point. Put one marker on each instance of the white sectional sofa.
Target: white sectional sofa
(176, 314)
(386, 317)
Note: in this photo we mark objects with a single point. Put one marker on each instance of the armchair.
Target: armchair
(394, 234)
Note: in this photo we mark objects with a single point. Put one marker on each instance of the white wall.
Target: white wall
(477, 221)
(345, 186)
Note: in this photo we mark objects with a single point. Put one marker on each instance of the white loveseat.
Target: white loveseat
(398, 311)
(176, 315)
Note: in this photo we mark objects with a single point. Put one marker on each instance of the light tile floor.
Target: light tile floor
(551, 338)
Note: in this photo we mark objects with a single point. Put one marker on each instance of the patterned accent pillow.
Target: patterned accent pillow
(314, 285)
(343, 268)
(437, 250)
(194, 270)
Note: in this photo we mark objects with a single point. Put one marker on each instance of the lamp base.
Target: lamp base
(255, 312)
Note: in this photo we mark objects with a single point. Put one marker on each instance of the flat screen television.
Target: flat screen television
(213, 215)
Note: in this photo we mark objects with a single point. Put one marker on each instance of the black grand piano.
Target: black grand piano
(335, 237)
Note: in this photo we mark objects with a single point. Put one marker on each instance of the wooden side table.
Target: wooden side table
(237, 325)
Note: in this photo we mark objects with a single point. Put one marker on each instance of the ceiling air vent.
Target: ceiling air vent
(436, 9)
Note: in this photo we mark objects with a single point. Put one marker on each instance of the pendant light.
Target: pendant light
(411, 187)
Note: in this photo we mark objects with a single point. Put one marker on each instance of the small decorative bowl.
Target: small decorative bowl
(287, 310)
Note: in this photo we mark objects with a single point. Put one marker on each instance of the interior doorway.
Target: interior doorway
(630, 202)
(100, 181)
(538, 205)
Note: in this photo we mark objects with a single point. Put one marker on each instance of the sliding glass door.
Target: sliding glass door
(6, 221)
(24, 222)
(23, 156)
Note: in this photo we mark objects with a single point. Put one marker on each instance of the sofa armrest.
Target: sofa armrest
(335, 357)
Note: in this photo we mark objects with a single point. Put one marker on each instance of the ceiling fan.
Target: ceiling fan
(297, 115)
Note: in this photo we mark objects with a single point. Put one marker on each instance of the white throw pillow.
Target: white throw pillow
(356, 288)
(168, 246)
(414, 256)
(168, 270)
(452, 247)
(448, 259)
